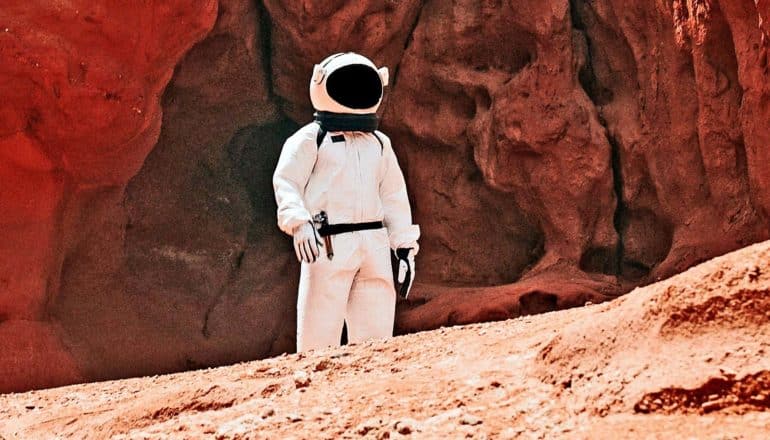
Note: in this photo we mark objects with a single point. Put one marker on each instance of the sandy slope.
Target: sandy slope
(686, 357)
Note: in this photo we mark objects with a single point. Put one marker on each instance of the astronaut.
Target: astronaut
(342, 197)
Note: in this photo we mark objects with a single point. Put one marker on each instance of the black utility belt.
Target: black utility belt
(341, 228)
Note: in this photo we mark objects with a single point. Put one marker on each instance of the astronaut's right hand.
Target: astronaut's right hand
(306, 243)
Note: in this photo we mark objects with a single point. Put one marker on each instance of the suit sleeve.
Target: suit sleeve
(295, 164)
(395, 203)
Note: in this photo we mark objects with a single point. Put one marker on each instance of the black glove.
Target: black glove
(402, 261)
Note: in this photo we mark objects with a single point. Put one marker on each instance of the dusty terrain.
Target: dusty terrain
(682, 358)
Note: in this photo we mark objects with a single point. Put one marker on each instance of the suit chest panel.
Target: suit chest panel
(356, 154)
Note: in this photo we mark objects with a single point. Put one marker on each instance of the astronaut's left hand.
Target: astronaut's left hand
(406, 271)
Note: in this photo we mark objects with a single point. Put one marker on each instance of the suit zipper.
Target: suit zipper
(360, 187)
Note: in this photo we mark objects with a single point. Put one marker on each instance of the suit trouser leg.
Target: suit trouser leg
(372, 302)
(324, 287)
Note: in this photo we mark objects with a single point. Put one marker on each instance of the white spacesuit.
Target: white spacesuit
(342, 196)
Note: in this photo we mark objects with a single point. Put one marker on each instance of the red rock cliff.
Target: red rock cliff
(80, 85)
(557, 152)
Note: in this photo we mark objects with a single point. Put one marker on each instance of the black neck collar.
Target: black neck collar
(345, 122)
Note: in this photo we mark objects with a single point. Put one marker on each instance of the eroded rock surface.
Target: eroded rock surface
(676, 175)
(80, 84)
(503, 147)
(557, 153)
(304, 33)
(673, 92)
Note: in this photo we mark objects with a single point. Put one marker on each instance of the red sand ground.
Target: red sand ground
(682, 358)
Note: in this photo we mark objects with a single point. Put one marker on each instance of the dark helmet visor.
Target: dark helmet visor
(355, 86)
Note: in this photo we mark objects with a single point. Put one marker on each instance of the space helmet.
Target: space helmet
(347, 88)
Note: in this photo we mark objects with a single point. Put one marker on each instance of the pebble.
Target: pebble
(322, 365)
(368, 426)
(470, 420)
(406, 426)
(301, 379)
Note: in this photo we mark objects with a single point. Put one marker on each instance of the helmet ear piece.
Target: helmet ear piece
(384, 75)
(318, 74)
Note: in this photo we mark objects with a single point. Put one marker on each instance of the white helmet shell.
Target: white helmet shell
(347, 83)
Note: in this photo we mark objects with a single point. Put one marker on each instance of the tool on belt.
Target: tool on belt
(321, 221)
(325, 230)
